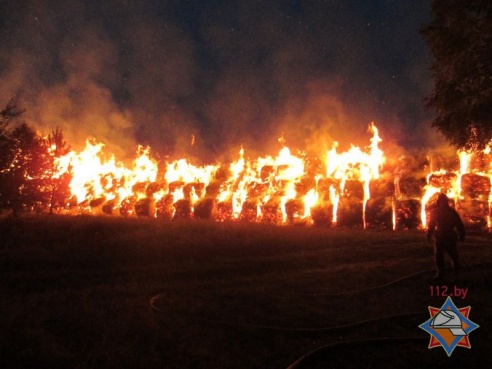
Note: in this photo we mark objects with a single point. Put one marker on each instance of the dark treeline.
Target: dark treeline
(28, 166)
(459, 37)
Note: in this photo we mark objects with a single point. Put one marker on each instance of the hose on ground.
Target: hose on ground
(154, 299)
(299, 362)
(281, 328)
(362, 290)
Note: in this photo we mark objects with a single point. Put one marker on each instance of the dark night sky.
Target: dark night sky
(226, 71)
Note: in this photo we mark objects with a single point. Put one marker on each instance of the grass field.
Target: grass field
(75, 293)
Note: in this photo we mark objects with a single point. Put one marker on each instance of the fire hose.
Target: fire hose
(297, 364)
(154, 299)
(362, 290)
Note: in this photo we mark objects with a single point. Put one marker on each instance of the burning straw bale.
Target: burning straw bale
(382, 188)
(145, 207)
(353, 189)
(294, 209)
(379, 208)
(183, 209)
(176, 185)
(224, 211)
(475, 186)
(257, 190)
(222, 174)
(139, 188)
(444, 181)
(407, 214)
(196, 188)
(153, 188)
(249, 211)
(350, 212)
(379, 213)
(409, 187)
(127, 206)
(95, 203)
(165, 208)
(474, 213)
(271, 212)
(108, 179)
(213, 189)
(474, 206)
(279, 190)
(84, 207)
(324, 185)
(444, 161)
(280, 186)
(109, 206)
(267, 171)
(322, 215)
(481, 162)
(350, 205)
(205, 209)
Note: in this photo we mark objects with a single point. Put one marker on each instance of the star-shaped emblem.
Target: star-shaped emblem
(449, 326)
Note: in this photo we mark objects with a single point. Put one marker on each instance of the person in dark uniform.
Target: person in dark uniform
(446, 226)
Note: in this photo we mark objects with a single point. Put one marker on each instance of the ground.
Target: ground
(107, 292)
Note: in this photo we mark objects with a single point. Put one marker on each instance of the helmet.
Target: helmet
(450, 320)
(442, 201)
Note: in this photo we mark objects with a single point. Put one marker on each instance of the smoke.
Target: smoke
(60, 67)
(228, 73)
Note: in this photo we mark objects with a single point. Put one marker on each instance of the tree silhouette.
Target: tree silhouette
(7, 151)
(59, 177)
(23, 176)
(7, 114)
(460, 39)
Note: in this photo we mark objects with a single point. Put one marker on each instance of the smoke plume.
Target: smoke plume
(227, 73)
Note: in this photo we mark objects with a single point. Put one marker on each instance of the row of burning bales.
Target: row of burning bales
(346, 190)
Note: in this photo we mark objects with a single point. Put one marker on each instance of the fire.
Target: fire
(355, 164)
(310, 200)
(96, 178)
(469, 187)
(347, 189)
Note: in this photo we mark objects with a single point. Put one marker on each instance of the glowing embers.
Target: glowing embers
(354, 170)
(346, 190)
(469, 193)
(407, 205)
(100, 183)
(468, 187)
(475, 200)
(285, 189)
(342, 188)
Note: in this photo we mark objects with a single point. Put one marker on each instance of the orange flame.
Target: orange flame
(274, 189)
